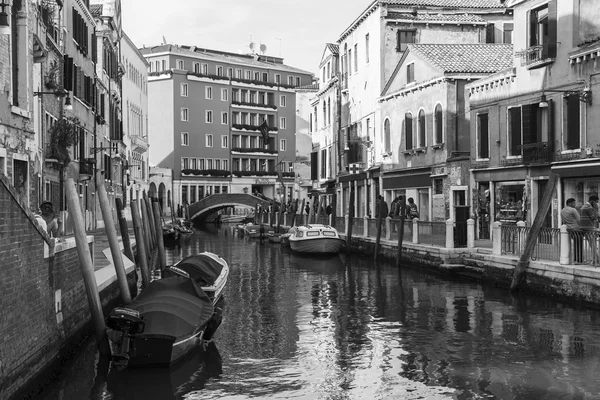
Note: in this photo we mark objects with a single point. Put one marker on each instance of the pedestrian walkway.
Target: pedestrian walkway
(101, 244)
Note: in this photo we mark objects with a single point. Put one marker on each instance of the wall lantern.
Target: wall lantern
(4, 22)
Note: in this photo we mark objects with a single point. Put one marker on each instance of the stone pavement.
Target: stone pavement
(101, 257)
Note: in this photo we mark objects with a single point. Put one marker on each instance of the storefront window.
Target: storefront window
(509, 205)
(580, 189)
(483, 210)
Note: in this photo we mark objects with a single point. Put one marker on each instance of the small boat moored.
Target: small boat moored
(172, 315)
(315, 238)
(255, 231)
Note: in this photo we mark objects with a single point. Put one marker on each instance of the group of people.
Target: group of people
(397, 208)
(579, 221)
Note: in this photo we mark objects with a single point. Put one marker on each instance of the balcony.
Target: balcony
(263, 173)
(513, 161)
(483, 164)
(248, 127)
(139, 144)
(254, 150)
(535, 56)
(541, 153)
(86, 166)
(252, 104)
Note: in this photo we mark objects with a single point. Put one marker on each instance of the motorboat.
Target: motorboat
(255, 231)
(316, 239)
(171, 316)
(170, 233)
(274, 237)
(235, 219)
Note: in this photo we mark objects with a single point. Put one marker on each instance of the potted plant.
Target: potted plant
(63, 135)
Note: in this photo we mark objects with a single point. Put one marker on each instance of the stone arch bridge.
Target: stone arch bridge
(200, 210)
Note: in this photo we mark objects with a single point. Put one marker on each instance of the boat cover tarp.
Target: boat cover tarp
(202, 268)
(173, 306)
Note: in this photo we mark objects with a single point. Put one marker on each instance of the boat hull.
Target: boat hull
(156, 350)
(317, 245)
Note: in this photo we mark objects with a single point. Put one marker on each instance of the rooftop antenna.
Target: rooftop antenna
(164, 40)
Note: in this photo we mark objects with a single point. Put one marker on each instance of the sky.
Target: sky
(296, 30)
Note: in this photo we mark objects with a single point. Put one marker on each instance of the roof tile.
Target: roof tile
(467, 58)
(448, 3)
(426, 17)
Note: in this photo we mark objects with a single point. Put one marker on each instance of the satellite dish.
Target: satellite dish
(252, 45)
(263, 48)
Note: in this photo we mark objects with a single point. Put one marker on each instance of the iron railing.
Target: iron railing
(538, 153)
(547, 246)
(585, 247)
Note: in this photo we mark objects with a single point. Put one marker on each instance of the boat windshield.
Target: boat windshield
(312, 233)
(329, 233)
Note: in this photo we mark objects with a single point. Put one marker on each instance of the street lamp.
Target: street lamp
(61, 92)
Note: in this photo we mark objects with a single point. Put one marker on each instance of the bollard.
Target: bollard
(346, 220)
(388, 228)
(470, 233)
(521, 236)
(565, 246)
(350, 218)
(87, 267)
(415, 232)
(142, 258)
(400, 239)
(111, 234)
(366, 226)
(159, 234)
(497, 238)
(449, 234)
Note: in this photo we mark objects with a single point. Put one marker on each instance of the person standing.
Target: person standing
(383, 205)
(589, 224)
(412, 211)
(53, 223)
(570, 218)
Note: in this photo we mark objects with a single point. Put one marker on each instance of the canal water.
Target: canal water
(344, 327)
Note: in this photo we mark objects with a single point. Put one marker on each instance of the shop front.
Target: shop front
(578, 182)
(414, 183)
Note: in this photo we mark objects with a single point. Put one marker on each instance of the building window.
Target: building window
(257, 76)
(542, 32)
(224, 94)
(282, 145)
(185, 163)
(422, 129)
(515, 133)
(196, 68)
(367, 48)
(483, 137)
(184, 90)
(238, 73)
(438, 186)
(278, 78)
(282, 124)
(248, 74)
(230, 72)
(573, 122)
(185, 139)
(291, 80)
(290, 165)
(184, 114)
(201, 163)
(349, 61)
(410, 73)
(209, 140)
(224, 117)
(408, 131)
(404, 38)
(205, 69)
(298, 81)
(355, 57)
(438, 124)
(193, 163)
(209, 163)
(217, 163)
(282, 100)
(507, 34)
(180, 64)
(224, 141)
(219, 70)
(387, 137)
(209, 117)
(208, 92)
(225, 166)
(164, 65)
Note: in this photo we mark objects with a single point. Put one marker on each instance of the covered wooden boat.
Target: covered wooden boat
(315, 239)
(171, 316)
(255, 231)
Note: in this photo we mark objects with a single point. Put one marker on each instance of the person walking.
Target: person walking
(570, 217)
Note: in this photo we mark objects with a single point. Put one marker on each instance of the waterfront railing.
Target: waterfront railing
(547, 246)
(432, 233)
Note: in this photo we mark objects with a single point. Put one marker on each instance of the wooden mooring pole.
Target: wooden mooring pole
(148, 233)
(350, 218)
(381, 207)
(302, 212)
(142, 258)
(87, 268)
(124, 230)
(532, 236)
(400, 231)
(111, 234)
(159, 234)
(333, 210)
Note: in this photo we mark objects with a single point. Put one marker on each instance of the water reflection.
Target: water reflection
(346, 328)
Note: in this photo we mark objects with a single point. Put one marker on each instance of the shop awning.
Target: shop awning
(570, 170)
(407, 180)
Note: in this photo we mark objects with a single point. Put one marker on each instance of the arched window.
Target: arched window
(387, 139)
(438, 123)
(408, 131)
(316, 125)
(422, 130)
(324, 113)
(329, 111)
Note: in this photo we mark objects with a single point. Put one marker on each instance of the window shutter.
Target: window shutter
(314, 165)
(573, 122)
(552, 27)
(515, 131)
(489, 33)
(532, 21)
(530, 128)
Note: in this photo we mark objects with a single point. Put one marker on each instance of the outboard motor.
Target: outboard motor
(126, 323)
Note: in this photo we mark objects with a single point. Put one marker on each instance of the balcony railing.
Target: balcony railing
(507, 162)
(254, 150)
(249, 127)
(480, 164)
(139, 144)
(538, 153)
(253, 104)
(86, 166)
(534, 55)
